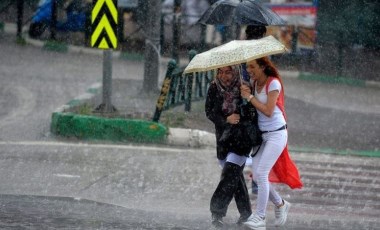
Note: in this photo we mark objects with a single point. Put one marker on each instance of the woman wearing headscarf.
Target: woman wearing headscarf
(224, 108)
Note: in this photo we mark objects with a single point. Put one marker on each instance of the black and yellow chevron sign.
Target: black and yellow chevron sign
(104, 24)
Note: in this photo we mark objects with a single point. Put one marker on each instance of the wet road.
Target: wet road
(332, 116)
(55, 185)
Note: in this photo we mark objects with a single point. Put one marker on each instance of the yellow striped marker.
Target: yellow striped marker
(104, 21)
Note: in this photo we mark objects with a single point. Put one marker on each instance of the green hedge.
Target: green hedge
(113, 129)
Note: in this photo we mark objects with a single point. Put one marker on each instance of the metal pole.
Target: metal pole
(107, 80)
(189, 84)
(20, 14)
(176, 29)
(203, 38)
(87, 24)
(120, 25)
(294, 39)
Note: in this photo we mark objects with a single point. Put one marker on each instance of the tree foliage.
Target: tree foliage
(349, 22)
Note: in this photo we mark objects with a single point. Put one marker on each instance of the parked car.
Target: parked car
(75, 18)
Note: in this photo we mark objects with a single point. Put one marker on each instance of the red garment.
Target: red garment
(284, 170)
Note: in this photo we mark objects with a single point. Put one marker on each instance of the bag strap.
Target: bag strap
(254, 154)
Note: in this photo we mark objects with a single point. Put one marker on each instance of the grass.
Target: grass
(21, 41)
(85, 109)
(332, 79)
(176, 117)
(132, 56)
(173, 119)
(56, 46)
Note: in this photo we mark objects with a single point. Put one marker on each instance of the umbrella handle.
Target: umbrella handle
(242, 80)
(240, 74)
(244, 102)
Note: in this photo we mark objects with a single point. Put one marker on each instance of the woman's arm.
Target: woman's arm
(267, 108)
(213, 109)
(213, 112)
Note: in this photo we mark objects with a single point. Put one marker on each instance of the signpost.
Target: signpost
(104, 19)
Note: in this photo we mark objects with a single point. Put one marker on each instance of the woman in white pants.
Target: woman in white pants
(272, 162)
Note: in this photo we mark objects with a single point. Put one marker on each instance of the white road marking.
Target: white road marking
(66, 175)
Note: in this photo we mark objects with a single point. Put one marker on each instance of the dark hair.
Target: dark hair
(269, 68)
(255, 32)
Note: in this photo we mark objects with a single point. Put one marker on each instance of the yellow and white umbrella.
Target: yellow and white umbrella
(235, 52)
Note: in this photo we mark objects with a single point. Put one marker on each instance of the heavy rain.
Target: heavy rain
(101, 129)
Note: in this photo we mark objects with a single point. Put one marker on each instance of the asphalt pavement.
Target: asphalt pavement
(60, 185)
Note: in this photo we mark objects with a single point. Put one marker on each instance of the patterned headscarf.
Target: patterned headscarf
(231, 93)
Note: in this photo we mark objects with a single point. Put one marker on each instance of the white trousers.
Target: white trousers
(270, 150)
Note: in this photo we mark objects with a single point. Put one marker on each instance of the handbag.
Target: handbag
(252, 131)
(246, 134)
(251, 124)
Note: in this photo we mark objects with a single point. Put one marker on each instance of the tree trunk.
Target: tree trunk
(152, 46)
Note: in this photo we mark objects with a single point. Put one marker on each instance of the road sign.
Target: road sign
(104, 21)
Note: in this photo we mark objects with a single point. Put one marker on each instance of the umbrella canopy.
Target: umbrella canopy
(235, 52)
(245, 12)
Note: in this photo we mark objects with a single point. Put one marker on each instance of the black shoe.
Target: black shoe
(217, 221)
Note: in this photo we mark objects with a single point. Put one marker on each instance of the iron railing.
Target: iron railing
(182, 89)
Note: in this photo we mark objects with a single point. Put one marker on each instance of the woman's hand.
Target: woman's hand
(233, 119)
(245, 91)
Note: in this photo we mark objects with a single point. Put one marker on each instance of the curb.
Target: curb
(199, 138)
(362, 153)
(289, 74)
(191, 138)
(306, 76)
(332, 80)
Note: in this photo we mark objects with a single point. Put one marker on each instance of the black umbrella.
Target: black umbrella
(242, 12)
